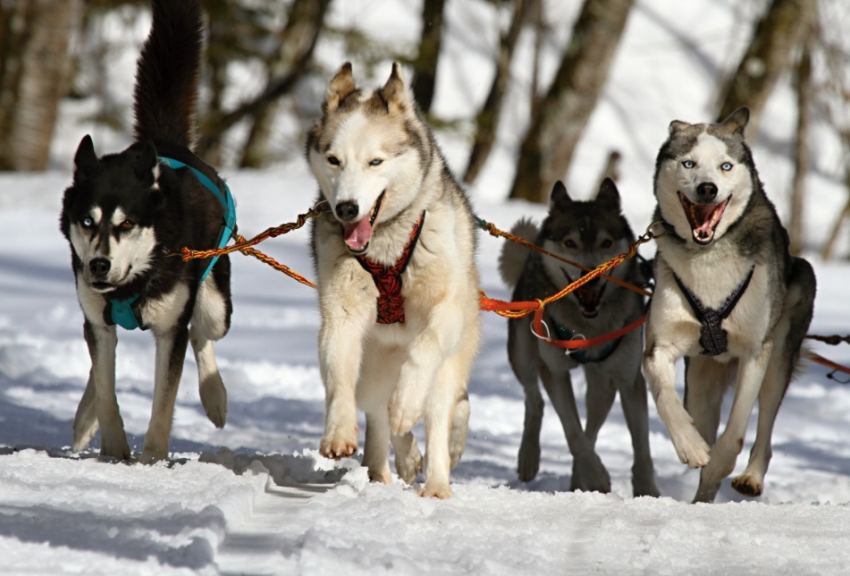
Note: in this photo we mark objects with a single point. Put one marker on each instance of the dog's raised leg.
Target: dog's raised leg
(659, 362)
(408, 459)
(706, 382)
(102, 341)
(85, 420)
(170, 352)
(210, 386)
(523, 356)
(724, 453)
(593, 475)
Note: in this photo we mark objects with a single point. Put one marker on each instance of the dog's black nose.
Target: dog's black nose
(707, 191)
(99, 266)
(347, 211)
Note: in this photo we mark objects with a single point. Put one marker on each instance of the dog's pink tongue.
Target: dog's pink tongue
(358, 235)
(702, 217)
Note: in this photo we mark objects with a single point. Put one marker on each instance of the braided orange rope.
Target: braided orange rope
(521, 309)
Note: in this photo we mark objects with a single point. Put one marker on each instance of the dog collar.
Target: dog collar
(388, 278)
(581, 356)
(713, 338)
(127, 313)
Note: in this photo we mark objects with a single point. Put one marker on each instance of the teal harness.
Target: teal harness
(581, 356)
(127, 313)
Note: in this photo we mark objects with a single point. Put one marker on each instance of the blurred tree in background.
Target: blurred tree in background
(263, 81)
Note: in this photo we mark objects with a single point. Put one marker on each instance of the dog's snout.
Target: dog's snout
(99, 267)
(347, 211)
(707, 191)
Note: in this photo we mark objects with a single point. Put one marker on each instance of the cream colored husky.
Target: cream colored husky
(398, 287)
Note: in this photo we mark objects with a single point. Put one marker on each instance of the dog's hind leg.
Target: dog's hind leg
(85, 421)
(460, 426)
(102, 341)
(706, 382)
(210, 321)
(376, 450)
(522, 354)
(170, 353)
(210, 386)
(408, 458)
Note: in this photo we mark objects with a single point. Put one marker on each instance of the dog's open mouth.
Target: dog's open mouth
(102, 286)
(358, 234)
(589, 295)
(703, 218)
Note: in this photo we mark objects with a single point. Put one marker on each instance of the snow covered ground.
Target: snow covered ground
(256, 498)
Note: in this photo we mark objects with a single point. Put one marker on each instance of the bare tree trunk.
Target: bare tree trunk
(34, 63)
(425, 65)
(780, 31)
(548, 146)
(487, 121)
(540, 31)
(801, 147)
(297, 39)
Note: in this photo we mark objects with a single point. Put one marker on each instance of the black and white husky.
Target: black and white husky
(588, 233)
(729, 298)
(124, 214)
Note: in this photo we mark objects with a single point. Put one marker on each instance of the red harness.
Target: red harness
(388, 279)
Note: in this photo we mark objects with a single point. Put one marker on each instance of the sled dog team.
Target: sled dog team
(398, 287)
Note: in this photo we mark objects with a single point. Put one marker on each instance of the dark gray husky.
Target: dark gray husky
(123, 215)
(588, 233)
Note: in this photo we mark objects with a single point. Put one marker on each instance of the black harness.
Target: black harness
(713, 338)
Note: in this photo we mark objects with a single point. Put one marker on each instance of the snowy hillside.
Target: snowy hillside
(256, 498)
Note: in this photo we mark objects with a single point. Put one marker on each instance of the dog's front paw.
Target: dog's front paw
(338, 444)
(115, 446)
(528, 463)
(590, 475)
(214, 399)
(440, 490)
(153, 454)
(749, 485)
(690, 447)
(409, 465)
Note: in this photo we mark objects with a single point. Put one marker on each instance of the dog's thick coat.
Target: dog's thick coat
(725, 249)
(379, 169)
(588, 233)
(123, 214)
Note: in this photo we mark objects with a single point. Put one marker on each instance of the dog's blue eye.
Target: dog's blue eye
(376, 162)
(689, 163)
(726, 166)
(86, 222)
(333, 160)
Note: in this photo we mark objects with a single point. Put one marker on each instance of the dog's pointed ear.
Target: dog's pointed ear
(85, 160)
(608, 195)
(677, 126)
(559, 198)
(395, 93)
(737, 121)
(143, 160)
(340, 87)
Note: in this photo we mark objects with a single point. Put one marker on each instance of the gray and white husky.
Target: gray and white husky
(398, 286)
(123, 215)
(588, 233)
(729, 299)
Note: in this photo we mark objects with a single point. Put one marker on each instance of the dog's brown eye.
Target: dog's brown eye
(607, 243)
(333, 160)
(127, 225)
(570, 244)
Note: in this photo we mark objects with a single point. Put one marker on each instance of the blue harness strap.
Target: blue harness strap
(225, 198)
(127, 313)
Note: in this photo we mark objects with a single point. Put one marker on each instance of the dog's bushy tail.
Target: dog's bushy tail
(513, 256)
(167, 73)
